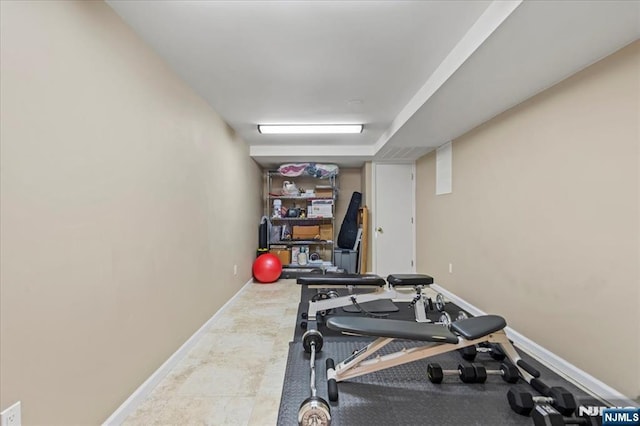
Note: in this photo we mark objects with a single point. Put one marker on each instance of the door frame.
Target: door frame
(374, 212)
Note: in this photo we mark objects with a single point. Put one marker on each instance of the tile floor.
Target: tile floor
(234, 374)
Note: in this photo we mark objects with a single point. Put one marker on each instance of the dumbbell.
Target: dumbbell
(435, 373)
(473, 373)
(507, 371)
(546, 415)
(469, 353)
(445, 318)
(523, 402)
(313, 410)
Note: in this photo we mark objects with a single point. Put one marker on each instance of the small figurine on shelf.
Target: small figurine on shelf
(286, 232)
(302, 256)
(277, 208)
(303, 214)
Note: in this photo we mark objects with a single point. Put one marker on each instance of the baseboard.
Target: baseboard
(557, 364)
(145, 389)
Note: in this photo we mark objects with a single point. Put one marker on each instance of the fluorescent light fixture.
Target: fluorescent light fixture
(309, 129)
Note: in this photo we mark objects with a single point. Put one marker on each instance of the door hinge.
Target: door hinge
(411, 220)
(412, 263)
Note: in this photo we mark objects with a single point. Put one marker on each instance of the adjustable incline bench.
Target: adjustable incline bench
(385, 290)
(463, 333)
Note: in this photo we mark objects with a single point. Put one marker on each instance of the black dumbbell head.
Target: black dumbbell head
(496, 352)
(480, 373)
(546, 415)
(467, 373)
(520, 400)
(510, 373)
(434, 373)
(563, 400)
(469, 353)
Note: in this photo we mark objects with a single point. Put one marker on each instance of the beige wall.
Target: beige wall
(543, 222)
(120, 223)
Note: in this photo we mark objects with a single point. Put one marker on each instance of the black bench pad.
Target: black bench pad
(343, 279)
(409, 279)
(392, 328)
(476, 327)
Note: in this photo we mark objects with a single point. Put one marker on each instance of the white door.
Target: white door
(393, 223)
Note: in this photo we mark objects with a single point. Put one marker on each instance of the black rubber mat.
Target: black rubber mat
(403, 395)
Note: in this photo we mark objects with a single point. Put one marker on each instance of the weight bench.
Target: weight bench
(386, 290)
(439, 340)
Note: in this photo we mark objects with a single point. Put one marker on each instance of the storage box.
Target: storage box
(310, 232)
(283, 254)
(321, 208)
(324, 192)
(326, 232)
(346, 259)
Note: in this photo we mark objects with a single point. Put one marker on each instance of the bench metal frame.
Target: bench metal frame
(358, 364)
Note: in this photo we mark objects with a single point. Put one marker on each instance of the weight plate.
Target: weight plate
(311, 337)
(319, 296)
(445, 319)
(461, 316)
(333, 294)
(430, 303)
(314, 411)
(440, 302)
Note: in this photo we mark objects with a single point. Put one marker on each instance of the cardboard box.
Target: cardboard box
(321, 208)
(326, 232)
(311, 232)
(324, 192)
(283, 254)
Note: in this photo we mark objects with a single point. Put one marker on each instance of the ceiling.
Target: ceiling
(417, 74)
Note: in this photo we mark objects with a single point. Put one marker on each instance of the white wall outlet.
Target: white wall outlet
(235, 269)
(451, 268)
(12, 416)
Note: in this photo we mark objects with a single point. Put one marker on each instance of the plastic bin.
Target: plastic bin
(346, 259)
